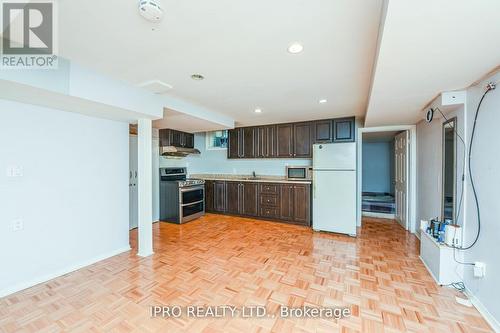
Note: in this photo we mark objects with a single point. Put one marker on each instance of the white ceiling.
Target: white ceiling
(427, 47)
(240, 47)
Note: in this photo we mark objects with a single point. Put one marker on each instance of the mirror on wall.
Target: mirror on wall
(449, 171)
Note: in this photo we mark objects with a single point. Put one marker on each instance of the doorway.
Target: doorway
(387, 174)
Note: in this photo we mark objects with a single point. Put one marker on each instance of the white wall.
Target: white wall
(73, 196)
(378, 167)
(486, 168)
(215, 161)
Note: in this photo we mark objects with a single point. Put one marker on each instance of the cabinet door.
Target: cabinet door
(343, 130)
(188, 140)
(233, 197)
(286, 205)
(302, 204)
(220, 196)
(247, 142)
(249, 199)
(177, 138)
(233, 149)
(284, 140)
(209, 196)
(323, 131)
(266, 141)
(165, 137)
(302, 143)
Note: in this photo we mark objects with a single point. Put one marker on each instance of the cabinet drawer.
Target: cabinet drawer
(270, 212)
(269, 188)
(269, 200)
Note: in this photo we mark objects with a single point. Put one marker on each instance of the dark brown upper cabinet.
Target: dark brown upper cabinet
(294, 140)
(284, 140)
(302, 140)
(233, 148)
(242, 142)
(266, 141)
(248, 142)
(323, 131)
(170, 137)
(344, 130)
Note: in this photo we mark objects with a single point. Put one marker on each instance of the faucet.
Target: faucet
(253, 174)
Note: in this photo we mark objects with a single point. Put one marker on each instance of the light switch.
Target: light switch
(14, 171)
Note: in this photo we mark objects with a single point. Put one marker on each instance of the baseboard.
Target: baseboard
(494, 323)
(60, 272)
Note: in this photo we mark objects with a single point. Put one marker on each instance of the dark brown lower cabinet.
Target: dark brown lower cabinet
(272, 201)
(219, 196)
(302, 204)
(286, 202)
(209, 196)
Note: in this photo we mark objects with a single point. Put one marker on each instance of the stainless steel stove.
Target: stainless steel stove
(181, 199)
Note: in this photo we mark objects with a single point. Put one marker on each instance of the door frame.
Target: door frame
(411, 222)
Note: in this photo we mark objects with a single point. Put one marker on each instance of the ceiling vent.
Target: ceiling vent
(156, 86)
(151, 10)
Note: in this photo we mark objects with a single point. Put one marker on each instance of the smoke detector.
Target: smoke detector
(151, 10)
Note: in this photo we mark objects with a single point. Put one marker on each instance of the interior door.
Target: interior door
(132, 184)
(401, 178)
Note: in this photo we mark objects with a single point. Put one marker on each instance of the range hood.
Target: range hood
(178, 151)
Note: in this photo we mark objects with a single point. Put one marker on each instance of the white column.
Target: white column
(145, 189)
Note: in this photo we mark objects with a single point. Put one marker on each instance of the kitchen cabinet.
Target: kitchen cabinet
(248, 142)
(219, 196)
(284, 140)
(242, 143)
(302, 140)
(241, 198)
(344, 130)
(289, 203)
(170, 137)
(249, 199)
(209, 196)
(302, 204)
(233, 143)
(233, 199)
(323, 131)
(266, 141)
(286, 202)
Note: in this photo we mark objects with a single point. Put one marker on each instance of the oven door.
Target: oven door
(192, 203)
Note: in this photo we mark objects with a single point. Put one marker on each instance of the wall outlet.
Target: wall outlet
(14, 171)
(17, 225)
(479, 269)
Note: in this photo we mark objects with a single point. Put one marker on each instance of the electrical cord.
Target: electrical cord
(489, 88)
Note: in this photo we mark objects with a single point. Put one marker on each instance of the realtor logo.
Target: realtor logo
(28, 34)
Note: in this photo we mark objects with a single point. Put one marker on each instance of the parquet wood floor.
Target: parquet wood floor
(222, 260)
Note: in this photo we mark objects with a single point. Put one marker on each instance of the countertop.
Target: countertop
(248, 178)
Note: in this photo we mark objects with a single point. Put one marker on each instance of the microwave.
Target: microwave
(298, 172)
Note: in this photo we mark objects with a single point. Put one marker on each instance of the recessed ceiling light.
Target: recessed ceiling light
(322, 101)
(197, 77)
(258, 111)
(295, 48)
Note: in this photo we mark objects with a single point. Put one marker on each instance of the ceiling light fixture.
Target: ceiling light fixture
(197, 77)
(258, 111)
(322, 101)
(295, 48)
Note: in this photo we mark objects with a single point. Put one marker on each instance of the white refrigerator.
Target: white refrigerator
(334, 187)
